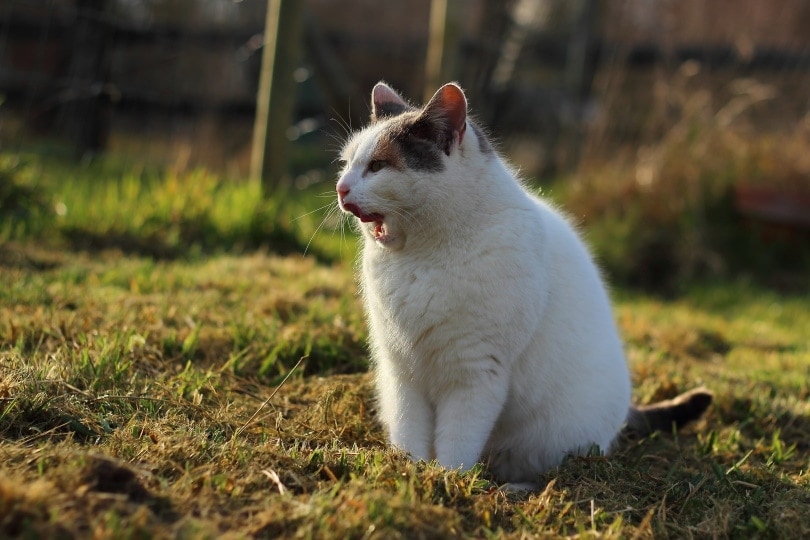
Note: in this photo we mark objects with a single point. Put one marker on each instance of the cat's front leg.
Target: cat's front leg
(466, 416)
(408, 417)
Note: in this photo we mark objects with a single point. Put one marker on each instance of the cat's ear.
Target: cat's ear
(386, 102)
(444, 118)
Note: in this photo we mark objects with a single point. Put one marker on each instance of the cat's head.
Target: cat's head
(396, 167)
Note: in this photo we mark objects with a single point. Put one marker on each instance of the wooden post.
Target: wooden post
(276, 97)
(442, 45)
(577, 70)
(85, 109)
(577, 78)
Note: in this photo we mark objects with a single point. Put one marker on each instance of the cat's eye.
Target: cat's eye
(376, 165)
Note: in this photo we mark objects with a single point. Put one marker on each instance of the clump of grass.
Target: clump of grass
(138, 398)
(24, 208)
(176, 214)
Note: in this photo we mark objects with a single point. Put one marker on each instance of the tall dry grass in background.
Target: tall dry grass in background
(659, 184)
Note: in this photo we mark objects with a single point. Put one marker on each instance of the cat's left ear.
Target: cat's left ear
(446, 113)
(386, 102)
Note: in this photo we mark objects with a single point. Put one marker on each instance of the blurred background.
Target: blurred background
(676, 133)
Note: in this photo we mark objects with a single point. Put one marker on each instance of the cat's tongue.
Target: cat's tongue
(379, 231)
(365, 218)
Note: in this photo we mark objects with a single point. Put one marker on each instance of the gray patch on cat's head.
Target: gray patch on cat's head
(483, 141)
(419, 153)
(420, 136)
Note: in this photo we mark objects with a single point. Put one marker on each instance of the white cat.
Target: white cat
(491, 330)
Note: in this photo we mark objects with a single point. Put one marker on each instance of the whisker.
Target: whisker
(321, 224)
(312, 212)
(340, 121)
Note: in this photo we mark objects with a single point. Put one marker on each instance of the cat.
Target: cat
(491, 331)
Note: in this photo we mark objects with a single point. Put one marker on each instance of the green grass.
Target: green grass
(141, 395)
(162, 215)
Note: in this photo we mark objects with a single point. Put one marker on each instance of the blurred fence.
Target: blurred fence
(174, 82)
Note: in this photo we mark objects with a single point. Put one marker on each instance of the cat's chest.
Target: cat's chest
(430, 309)
(413, 292)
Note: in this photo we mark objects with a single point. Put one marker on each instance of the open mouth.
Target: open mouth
(378, 230)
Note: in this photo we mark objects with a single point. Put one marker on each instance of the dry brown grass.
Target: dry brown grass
(140, 400)
(658, 185)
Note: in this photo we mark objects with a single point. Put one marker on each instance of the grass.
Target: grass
(157, 214)
(141, 395)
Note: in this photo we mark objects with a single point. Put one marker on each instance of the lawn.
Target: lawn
(178, 360)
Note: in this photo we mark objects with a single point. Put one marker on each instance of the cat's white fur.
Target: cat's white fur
(492, 333)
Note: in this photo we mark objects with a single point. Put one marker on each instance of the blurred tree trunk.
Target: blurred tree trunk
(578, 78)
(85, 105)
(442, 53)
(275, 100)
(481, 57)
(332, 76)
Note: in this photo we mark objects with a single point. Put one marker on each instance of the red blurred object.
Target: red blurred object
(774, 206)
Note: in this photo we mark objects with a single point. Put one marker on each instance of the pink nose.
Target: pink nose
(342, 191)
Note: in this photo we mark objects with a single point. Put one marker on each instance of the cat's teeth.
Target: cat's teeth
(380, 233)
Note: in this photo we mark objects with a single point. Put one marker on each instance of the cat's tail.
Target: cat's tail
(661, 416)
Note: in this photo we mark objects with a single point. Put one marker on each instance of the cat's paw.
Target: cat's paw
(519, 487)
